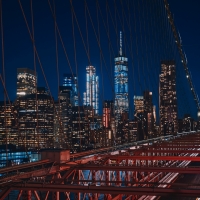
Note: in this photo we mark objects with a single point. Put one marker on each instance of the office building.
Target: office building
(80, 127)
(8, 124)
(91, 96)
(121, 83)
(149, 114)
(138, 104)
(62, 118)
(108, 112)
(168, 99)
(35, 115)
(71, 80)
(26, 82)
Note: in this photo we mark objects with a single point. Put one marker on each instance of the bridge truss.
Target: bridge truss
(140, 172)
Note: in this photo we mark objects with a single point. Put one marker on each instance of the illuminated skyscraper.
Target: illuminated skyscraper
(108, 109)
(35, 124)
(121, 83)
(8, 128)
(26, 82)
(71, 80)
(91, 96)
(139, 104)
(167, 98)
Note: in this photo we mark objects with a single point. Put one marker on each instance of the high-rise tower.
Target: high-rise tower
(26, 82)
(121, 83)
(108, 108)
(91, 96)
(71, 81)
(167, 98)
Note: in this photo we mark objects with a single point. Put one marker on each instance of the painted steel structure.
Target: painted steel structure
(144, 171)
(71, 80)
(168, 98)
(121, 83)
(91, 96)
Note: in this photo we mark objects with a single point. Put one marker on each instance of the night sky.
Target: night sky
(18, 49)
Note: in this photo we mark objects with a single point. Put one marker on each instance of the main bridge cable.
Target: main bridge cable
(182, 91)
(184, 103)
(37, 55)
(183, 59)
(173, 50)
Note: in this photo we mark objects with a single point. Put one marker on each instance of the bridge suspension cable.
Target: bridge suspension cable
(182, 55)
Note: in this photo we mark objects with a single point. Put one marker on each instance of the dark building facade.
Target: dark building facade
(62, 118)
(8, 124)
(168, 98)
(149, 115)
(35, 121)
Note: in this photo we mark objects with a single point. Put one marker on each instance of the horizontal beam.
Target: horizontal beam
(165, 151)
(171, 145)
(23, 166)
(176, 158)
(186, 170)
(107, 189)
(34, 173)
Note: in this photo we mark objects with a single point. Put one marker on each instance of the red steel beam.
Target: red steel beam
(4, 193)
(23, 166)
(35, 173)
(183, 143)
(178, 158)
(165, 151)
(174, 146)
(192, 170)
(107, 189)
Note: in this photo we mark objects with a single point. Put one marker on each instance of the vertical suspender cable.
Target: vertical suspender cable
(35, 73)
(4, 80)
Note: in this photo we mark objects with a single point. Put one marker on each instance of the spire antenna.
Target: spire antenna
(120, 51)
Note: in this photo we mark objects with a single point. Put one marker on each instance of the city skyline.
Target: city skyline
(48, 52)
(99, 99)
